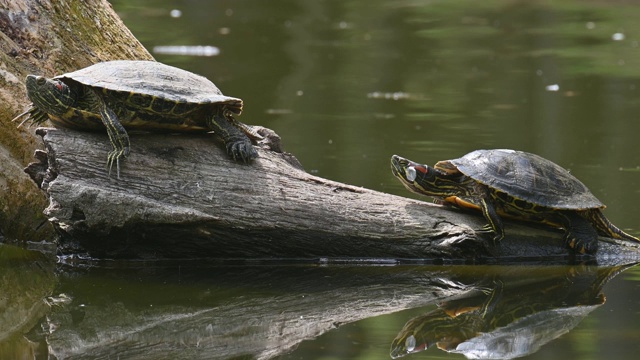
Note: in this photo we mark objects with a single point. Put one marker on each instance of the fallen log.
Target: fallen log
(180, 196)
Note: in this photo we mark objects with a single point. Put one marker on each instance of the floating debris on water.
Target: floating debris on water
(398, 95)
(630, 169)
(617, 37)
(505, 106)
(199, 50)
(553, 87)
(278, 111)
(384, 116)
(175, 13)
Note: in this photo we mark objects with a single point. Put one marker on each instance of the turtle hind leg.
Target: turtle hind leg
(606, 228)
(580, 235)
(238, 144)
(494, 222)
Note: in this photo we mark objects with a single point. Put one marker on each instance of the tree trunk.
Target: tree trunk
(182, 197)
(47, 38)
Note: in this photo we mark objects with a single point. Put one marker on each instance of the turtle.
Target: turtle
(514, 184)
(138, 94)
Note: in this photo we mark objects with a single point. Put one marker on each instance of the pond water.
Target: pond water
(347, 84)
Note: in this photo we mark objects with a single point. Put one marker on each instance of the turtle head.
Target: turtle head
(49, 95)
(424, 179)
(406, 344)
(424, 331)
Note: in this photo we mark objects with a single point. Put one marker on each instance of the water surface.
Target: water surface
(346, 84)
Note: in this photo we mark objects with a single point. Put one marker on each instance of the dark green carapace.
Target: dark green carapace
(514, 184)
(146, 95)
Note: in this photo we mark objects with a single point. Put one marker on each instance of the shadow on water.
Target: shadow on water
(204, 310)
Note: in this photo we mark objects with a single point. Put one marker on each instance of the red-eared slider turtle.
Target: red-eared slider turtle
(514, 184)
(148, 95)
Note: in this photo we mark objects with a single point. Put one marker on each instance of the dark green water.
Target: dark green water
(346, 84)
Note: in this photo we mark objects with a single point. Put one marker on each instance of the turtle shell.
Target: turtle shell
(528, 177)
(153, 79)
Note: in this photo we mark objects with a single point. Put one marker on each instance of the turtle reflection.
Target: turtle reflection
(508, 317)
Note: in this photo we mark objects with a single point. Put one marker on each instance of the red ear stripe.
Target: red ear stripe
(59, 86)
(421, 168)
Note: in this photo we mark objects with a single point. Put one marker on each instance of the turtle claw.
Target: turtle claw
(242, 151)
(33, 114)
(114, 157)
(581, 246)
(489, 233)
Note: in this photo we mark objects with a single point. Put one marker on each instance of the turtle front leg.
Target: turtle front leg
(238, 144)
(117, 136)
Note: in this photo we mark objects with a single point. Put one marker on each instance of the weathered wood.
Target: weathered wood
(48, 38)
(181, 196)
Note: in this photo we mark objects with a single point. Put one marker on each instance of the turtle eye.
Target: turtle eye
(40, 80)
(410, 343)
(410, 173)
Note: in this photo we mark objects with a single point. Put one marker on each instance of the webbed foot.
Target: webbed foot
(580, 236)
(489, 232)
(236, 136)
(581, 245)
(241, 150)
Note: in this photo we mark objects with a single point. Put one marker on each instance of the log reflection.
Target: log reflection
(209, 310)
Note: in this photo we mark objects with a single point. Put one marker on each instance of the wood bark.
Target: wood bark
(45, 37)
(180, 196)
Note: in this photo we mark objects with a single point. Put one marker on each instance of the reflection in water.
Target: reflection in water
(212, 311)
(510, 317)
(153, 310)
(26, 278)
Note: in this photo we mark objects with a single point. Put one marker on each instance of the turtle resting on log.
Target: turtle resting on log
(517, 185)
(145, 95)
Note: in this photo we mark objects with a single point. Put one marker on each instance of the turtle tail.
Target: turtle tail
(606, 228)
